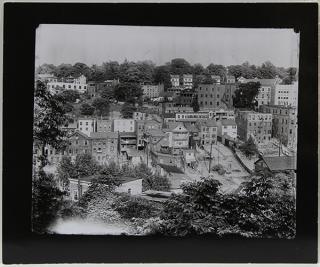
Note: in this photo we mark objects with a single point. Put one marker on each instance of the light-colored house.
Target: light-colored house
(175, 80)
(124, 125)
(187, 81)
(86, 125)
(178, 137)
(228, 127)
(79, 84)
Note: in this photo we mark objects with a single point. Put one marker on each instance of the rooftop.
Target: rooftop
(280, 163)
(228, 122)
(103, 135)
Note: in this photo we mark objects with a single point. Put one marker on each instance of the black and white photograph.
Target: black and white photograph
(171, 131)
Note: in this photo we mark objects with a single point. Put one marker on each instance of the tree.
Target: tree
(249, 148)
(245, 96)
(85, 166)
(198, 69)
(107, 93)
(213, 69)
(70, 95)
(235, 70)
(195, 104)
(127, 110)
(64, 70)
(66, 170)
(111, 70)
(97, 73)
(47, 200)
(207, 80)
(127, 91)
(101, 106)
(46, 68)
(267, 71)
(195, 211)
(86, 109)
(81, 69)
(180, 66)
(162, 75)
(49, 115)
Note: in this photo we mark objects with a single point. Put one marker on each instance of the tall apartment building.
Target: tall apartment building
(211, 96)
(187, 80)
(186, 97)
(175, 80)
(70, 83)
(152, 91)
(285, 94)
(284, 123)
(255, 124)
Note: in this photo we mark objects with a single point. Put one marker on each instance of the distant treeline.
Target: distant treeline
(148, 72)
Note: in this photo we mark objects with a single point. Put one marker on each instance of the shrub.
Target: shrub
(219, 168)
(133, 207)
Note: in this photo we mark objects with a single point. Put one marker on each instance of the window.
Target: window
(79, 86)
(218, 103)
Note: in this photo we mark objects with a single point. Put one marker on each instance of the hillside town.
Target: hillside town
(179, 131)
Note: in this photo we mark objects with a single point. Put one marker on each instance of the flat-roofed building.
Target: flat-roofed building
(255, 124)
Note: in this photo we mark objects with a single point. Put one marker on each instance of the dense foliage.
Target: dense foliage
(258, 209)
(244, 97)
(249, 148)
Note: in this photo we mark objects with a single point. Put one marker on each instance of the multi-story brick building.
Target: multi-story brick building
(87, 125)
(257, 125)
(152, 91)
(284, 123)
(215, 95)
(124, 125)
(186, 97)
(104, 146)
(175, 91)
(208, 131)
(187, 80)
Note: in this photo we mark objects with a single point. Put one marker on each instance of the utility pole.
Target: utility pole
(218, 152)
(210, 157)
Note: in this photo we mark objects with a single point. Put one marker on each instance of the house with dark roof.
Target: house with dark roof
(276, 164)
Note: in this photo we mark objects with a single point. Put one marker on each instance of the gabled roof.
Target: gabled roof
(103, 135)
(191, 127)
(228, 122)
(263, 82)
(280, 163)
(208, 123)
(172, 125)
(79, 133)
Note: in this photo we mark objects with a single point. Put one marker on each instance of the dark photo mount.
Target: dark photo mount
(20, 245)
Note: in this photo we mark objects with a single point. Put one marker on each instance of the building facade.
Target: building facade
(208, 131)
(175, 80)
(152, 91)
(227, 127)
(124, 125)
(187, 80)
(104, 146)
(178, 137)
(255, 124)
(285, 95)
(78, 84)
(87, 125)
(284, 123)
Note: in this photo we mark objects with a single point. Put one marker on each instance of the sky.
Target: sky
(95, 44)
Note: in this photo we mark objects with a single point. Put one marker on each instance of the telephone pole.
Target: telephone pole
(210, 157)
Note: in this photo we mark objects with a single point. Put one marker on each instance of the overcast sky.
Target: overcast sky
(91, 44)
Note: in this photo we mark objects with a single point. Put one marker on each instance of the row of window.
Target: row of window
(206, 103)
(201, 95)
